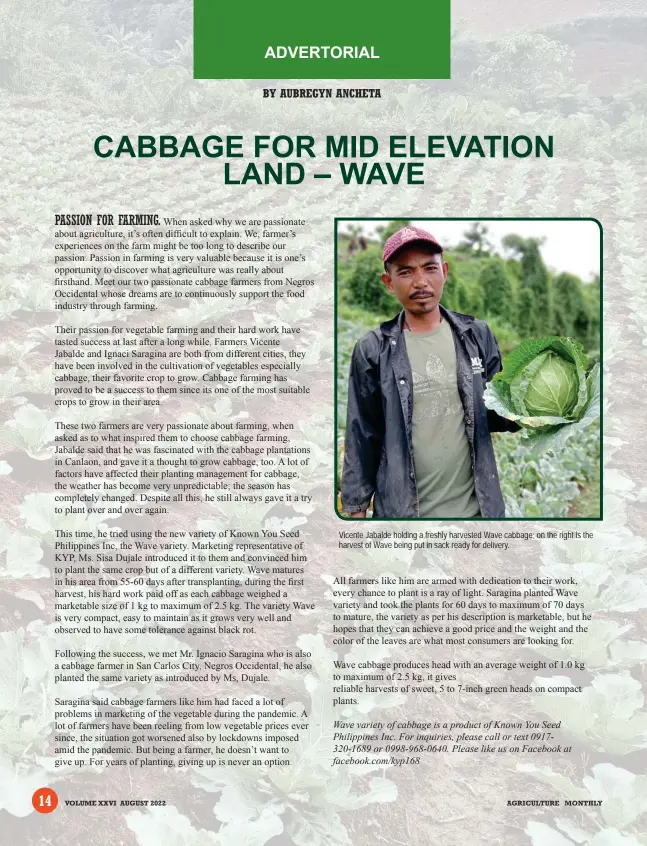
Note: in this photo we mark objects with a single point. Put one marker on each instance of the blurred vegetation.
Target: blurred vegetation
(513, 291)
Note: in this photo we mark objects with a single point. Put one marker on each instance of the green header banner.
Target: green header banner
(342, 41)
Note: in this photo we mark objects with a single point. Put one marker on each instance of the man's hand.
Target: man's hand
(358, 514)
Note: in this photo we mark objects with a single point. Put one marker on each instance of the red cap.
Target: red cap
(405, 236)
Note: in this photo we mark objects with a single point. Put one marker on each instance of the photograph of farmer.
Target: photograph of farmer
(417, 440)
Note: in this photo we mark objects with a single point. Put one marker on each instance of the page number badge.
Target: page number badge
(44, 800)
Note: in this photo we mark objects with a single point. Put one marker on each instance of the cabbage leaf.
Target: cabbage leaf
(545, 388)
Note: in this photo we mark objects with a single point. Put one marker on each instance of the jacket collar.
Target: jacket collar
(459, 323)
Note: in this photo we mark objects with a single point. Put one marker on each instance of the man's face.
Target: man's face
(416, 276)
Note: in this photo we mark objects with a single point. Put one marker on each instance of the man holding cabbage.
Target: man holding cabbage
(419, 416)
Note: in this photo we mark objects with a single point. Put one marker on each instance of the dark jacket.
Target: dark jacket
(378, 457)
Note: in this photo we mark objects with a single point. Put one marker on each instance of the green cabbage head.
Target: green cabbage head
(545, 388)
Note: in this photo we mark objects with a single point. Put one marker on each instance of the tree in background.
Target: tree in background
(534, 275)
(535, 278)
(592, 298)
(526, 313)
(458, 295)
(452, 293)
(570, 309)
(475, 240)
(498, 293)
(356, 239)
(365, 281)
(475, 301)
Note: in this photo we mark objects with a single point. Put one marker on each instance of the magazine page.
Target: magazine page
(322, 438)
